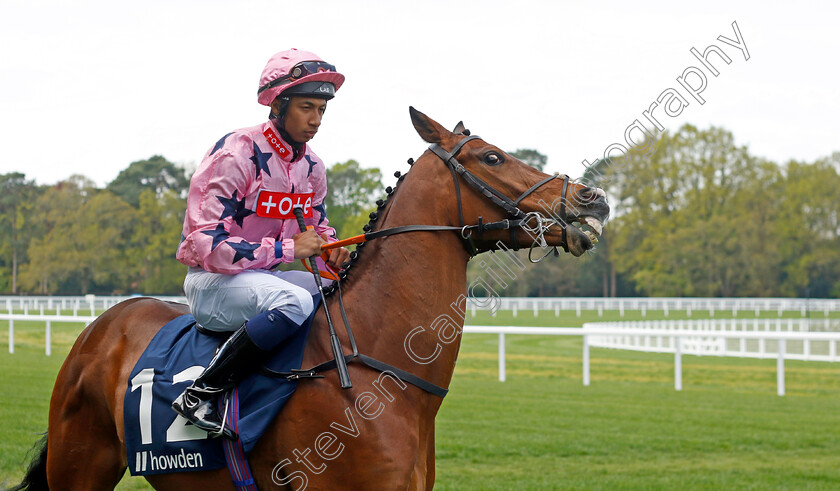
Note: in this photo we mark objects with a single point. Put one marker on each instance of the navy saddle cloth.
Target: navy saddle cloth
(157, 439)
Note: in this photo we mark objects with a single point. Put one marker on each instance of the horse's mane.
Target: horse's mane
(355, 256)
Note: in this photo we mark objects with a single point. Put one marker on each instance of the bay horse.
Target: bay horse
(380, 434)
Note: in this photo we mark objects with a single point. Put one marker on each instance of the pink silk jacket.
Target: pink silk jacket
(240, 199)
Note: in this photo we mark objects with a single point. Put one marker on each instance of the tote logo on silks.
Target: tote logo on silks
(271, 204)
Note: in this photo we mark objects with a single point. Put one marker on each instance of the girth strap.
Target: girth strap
(314, 372)
(380, 366)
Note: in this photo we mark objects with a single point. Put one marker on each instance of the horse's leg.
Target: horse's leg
(85, 438)
(84, 451)
(430, 459)
(78, 460)
(423, 475)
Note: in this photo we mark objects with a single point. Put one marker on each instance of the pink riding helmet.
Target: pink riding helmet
(281, 65)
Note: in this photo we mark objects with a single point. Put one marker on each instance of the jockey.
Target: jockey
(239, 225)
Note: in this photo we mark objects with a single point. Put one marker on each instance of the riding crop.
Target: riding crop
(341, 363)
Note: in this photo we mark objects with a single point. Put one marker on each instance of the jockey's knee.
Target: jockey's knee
(304, 302)
(296, 303)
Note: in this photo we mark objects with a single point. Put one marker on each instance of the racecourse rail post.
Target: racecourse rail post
(677, 362)
(91, 300)
(48, 340)
(11, 327)
(780, 369)
(586, 360)
(502, 373)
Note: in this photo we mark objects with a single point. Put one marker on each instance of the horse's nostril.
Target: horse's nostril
(592, 195)
(587, 195)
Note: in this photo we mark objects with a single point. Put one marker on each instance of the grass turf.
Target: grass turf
(541, 429)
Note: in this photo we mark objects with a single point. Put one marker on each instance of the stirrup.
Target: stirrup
(229, 433)
(189, 402)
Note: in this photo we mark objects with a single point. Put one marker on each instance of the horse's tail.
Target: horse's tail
(36, 475)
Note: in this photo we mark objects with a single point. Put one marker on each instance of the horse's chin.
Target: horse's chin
(578, 241)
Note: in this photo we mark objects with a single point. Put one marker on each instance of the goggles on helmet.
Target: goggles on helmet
(298, 71)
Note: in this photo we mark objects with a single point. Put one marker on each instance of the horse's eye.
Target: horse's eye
(493, 158)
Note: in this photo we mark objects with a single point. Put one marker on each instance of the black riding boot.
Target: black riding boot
(233, 362)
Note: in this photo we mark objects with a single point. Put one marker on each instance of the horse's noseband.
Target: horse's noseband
(516, 217)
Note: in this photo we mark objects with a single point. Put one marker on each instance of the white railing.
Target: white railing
(707, 341)
(48, 320)
(680, 340)
(66, 309)
(667, 305)
(804, 306)
(78, 305)
(591, 330)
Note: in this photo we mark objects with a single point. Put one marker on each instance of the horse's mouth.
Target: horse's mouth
(582, 234)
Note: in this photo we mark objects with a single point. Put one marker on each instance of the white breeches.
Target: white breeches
(223, 302)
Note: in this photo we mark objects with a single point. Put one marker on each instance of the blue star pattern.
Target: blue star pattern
(220, 143)
(322, 209)
(311, 165)
(234, 208)
(219, 235)
(179, 243)
(260, 160)
(244, 250)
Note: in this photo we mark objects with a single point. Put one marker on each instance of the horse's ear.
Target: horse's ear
(460, 128)
(428, 129)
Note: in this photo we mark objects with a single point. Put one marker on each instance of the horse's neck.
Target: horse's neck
(410, 281)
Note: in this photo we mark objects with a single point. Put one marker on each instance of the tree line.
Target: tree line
(74, 238)
(700, 216)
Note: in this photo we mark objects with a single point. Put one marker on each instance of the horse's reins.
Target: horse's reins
(517, 219)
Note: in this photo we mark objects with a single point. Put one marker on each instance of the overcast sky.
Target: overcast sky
(90, 86)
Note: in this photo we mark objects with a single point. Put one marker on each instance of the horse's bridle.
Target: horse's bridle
(517, 218)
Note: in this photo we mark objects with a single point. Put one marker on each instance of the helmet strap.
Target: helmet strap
(279, 120)
(297, 147)
(280, 116)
